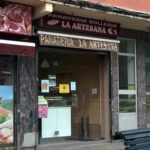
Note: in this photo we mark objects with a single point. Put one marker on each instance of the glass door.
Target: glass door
(6, 100)
(127, 85)
(69, 86)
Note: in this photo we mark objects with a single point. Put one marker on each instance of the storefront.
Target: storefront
(74, 74)
(86, 80)
(17, 73)
(99, 87)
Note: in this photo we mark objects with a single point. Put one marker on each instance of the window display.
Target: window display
(6, 100)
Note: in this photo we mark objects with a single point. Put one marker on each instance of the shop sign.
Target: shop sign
(52, 40)
(16, 19)
(82, 24)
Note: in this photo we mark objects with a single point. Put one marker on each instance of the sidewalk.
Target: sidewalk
(94, 145)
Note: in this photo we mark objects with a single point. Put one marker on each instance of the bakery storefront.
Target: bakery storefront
(74, 78)
(17, 57)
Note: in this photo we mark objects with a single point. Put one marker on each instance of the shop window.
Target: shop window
(68, 92)
(127, 76)
(6, 100)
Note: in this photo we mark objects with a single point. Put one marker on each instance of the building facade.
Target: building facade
(82, 73)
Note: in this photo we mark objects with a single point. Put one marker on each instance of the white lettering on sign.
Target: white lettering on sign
(81, 24)
(51, 40)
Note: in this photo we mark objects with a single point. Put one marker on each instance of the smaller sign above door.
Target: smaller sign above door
(73, 41)
(63, 21)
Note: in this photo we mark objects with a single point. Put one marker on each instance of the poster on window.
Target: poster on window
(15, 18)
(6, 115)
(42, 107)
(64, 88)
(45, 86)
(42, 111)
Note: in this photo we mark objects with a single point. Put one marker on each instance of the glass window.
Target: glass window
(127, 72)
(147, 72)
(6, 100)
(68, 85)
(127, 103)
(127, 46)
(147, 49)
(148, 109)
(147, 77)
(127, 76)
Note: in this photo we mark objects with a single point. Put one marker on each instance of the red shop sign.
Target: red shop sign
(81, 24)
(16, 19)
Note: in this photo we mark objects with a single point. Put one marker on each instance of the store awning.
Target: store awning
(77, 41)
(17, 48)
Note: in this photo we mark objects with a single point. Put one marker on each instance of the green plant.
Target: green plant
(3, 119)
(127, 106)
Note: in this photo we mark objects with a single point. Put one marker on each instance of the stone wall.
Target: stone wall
(114, 83)
(141, 97)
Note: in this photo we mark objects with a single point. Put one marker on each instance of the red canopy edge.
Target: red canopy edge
(17, 48)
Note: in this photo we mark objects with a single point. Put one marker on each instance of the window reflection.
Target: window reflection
(127, 103)
(126, 72)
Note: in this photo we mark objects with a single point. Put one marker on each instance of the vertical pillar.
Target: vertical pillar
(115, 102)
(141, 97)
(106, 98)
(27, 103)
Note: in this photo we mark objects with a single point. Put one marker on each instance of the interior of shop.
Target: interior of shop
(71, 84)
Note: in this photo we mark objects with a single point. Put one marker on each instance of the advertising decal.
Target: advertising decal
(6, 115)
(16, 19)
